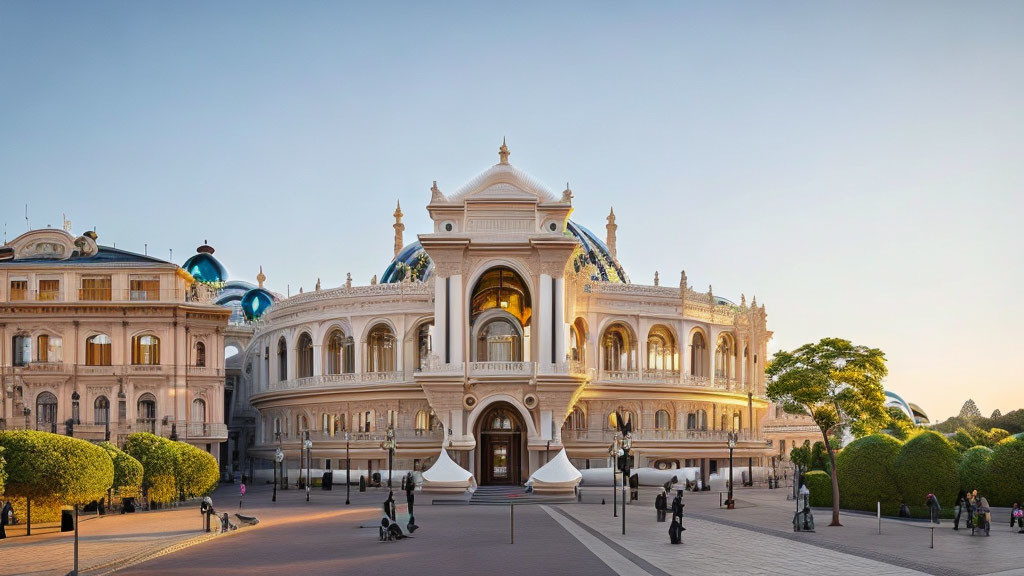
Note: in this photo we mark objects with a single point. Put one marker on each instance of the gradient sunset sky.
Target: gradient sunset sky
(856, 166)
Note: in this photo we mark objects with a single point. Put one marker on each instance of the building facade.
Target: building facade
(506, 333)
(101, 342)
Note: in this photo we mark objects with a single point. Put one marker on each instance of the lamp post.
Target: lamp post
(732, 445)
(278, 458)
(348, 484)
(389, 445)
(613, 452)
(308, 445)
(627, 444)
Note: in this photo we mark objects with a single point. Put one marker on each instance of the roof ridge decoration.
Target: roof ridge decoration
(501, 181)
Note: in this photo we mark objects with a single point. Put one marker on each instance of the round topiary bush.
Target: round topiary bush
(975, 471)
(197, 473)
(127, 471)
(54, 469)
(159, 459)
(927, 463)
(820, 485)
(865, 474)
(1006, 473)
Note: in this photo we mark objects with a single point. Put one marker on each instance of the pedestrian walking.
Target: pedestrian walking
(6, 517)
(933, 507)
(958, 508)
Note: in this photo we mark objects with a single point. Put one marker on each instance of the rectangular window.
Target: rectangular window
(144, 288)
(49, 290)
(95, 288)
(19, 290)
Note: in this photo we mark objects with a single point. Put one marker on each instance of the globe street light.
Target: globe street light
(278, 458)
(389, 445)
(732, 445)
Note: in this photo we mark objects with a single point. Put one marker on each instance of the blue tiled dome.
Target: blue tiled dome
(412, 259)
(204, 267)
(256, 302)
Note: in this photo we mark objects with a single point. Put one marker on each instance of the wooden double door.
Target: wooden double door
(501, 458)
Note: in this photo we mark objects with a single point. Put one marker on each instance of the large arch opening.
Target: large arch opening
(501, 433)
(500, 312)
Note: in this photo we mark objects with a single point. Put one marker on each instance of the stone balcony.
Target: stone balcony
(606, 436)
(333, 380)
(510, 369)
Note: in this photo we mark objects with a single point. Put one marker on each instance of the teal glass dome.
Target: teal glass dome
(255, 302)
(204, 267)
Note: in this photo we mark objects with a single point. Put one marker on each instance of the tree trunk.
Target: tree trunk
(835, 481)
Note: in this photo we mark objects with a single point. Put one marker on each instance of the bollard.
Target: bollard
(933, 538)
(879, 517)
(512, 523)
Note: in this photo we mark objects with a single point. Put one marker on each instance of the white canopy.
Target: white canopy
(558, 475)
(447, 476)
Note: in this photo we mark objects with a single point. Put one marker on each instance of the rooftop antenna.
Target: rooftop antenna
(170, 254)
(145, 249)
(5, 233)
(27, 226)
(67, 223)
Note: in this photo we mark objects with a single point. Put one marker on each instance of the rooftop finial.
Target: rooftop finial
(399, 229)
(261, 277)
(503, 152)
(567, 194)
(611, 227)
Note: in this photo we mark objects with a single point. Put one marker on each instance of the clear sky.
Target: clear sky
(857, 166)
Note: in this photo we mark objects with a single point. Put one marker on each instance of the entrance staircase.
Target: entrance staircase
(506, 495)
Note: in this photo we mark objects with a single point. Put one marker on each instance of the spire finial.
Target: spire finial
(399, 229)
(261, 278)
(503, 152)
(611, 227)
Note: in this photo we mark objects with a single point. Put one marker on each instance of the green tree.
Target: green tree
(819, 485)
(963, 440)
(197, 473)
(975, 470)
(55, 469)
(927, 464)
(159, 459)
(969, 411)
(866, 471)
(836, 383)
(127, 471)
(1006, 472)
(819, 457)
(801, 456)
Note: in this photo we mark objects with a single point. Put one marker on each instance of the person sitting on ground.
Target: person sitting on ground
(904, 510)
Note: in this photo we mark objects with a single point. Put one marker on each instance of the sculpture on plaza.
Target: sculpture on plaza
(675, 529)
(803, 519)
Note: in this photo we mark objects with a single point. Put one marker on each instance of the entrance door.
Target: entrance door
(501, 447)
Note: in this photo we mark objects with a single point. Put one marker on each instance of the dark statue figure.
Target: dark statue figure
(675, 530)
(661, 506)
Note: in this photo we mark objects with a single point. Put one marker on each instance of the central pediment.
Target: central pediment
(503, 182)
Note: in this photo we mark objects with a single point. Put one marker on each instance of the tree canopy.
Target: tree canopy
(196, 473)
(54, 468)
(836, 383)
(159, 458)
(128, 471)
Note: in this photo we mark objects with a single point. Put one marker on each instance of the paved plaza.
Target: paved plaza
(325, 536)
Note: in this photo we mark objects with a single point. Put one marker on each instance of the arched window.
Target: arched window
(199, 410)
(326, 426)
(305, 355)
(365, 421)
(46, 412)
(618, 348)
(737, 421)
(423, 345)
(723, 357)
(277, 427)
(146, 350)
(340, 357)
(662, 421)
(661, 350)
(97, 350)
(578, 341)
(101, 410)
(200, 354)
(501, 420)
(340, 423)
(697, 420)
(627, 416)
(22, 349)
(577, 420)
(381, 349)
(49, 348)
(146, 412)
(282, 360)
(698, 355)
(301, 424)
(499, 340)
(422, 421)
(503, 289)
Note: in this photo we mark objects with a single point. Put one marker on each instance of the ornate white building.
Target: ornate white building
(101, 342)
(505, 333)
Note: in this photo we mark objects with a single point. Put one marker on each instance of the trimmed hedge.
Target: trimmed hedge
(975, 471)
(127, 471)
(820, 485)
(866, 474)
(197, 473)
(927, 463)
(1006, 472)
(55, 469)
(159, 458)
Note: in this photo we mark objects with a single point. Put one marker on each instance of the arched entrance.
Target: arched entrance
(501, 445)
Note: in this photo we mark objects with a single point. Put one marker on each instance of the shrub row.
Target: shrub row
(52, 470)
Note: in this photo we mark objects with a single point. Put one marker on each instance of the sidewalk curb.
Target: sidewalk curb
(113, 566)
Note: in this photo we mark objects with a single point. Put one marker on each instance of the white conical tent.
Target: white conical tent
(558, 475)
(447, 476)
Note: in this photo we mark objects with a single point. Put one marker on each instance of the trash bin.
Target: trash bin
(362, 483)
(328, 481)
(67, 520)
